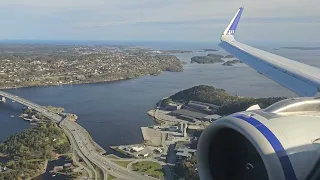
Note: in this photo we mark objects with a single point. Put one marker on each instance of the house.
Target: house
(67, 165)
(57, 168)
(2, 169)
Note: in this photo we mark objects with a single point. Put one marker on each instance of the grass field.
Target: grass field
(110, 177)
(123, 163)
(150, 168)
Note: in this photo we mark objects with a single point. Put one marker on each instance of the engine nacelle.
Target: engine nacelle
(281, 142)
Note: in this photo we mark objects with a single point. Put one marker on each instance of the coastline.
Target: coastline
(79, 83)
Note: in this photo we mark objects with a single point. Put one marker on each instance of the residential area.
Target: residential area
(56, 65)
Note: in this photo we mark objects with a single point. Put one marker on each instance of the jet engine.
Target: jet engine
(281, 142)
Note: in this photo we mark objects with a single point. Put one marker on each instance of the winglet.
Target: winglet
(231, 28)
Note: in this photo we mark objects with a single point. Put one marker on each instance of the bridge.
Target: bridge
(96, 165)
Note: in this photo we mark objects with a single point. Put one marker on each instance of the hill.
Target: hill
(229, 104)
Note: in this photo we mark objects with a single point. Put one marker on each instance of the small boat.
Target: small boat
(13, 101)
(53, 175)
(12, 116)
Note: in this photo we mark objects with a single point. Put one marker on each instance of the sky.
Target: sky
(158, 20)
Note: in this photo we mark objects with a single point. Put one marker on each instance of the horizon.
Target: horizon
(197, 44)
(155, 20)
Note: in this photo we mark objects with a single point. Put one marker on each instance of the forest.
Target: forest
(27, 151)
(228, 104)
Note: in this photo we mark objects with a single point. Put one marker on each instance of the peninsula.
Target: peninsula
(227, 103)
(44, 65)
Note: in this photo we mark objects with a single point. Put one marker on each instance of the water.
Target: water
(59, 162)
(114, 112)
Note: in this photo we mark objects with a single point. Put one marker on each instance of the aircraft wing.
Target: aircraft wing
(300, 78)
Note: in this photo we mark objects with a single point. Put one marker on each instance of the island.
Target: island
(208, 50)
(46, 65)
(209, 59)
(232, 62)
(229, 56)
(27, 153)
(301, 48)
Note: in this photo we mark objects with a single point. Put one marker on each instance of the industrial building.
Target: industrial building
(183, 151)
(183, 129)
(137, 149)
(173, 128)
(193, 116)
(201, 107)
(173, 106)
(188, 115)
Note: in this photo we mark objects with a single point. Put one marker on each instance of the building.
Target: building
(2, 169)
(198, 106)
(57, 168)
(202, 107)
(137, 149)
(158, 150)
(173, 128)
(183, 129)
(67, 165)
(143, 155)
(211, 117)
(188, 115)
(183, 151)
(206, 105)
(173, 106)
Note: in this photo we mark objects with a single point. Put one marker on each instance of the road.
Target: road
(80, 142)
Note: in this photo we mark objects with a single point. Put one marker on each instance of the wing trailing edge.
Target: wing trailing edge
(300, 78)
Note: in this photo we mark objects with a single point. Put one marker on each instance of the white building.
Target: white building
(137, 149)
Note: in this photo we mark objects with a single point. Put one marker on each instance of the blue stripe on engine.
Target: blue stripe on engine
(275, 143)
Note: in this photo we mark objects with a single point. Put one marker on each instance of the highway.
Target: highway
(82, 145)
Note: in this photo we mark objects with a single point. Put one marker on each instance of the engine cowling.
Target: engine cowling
(281, 142)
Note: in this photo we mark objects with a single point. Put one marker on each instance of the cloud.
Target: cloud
(142, 19)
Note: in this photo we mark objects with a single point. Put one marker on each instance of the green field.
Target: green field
(123, 163)
(150, 168)
(110, 177)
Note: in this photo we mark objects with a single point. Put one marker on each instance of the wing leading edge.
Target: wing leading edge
(298, 77)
